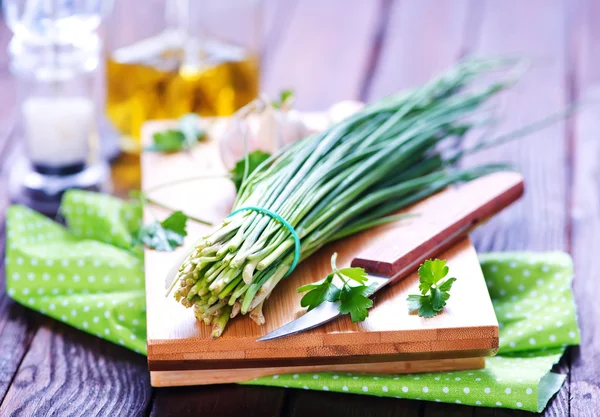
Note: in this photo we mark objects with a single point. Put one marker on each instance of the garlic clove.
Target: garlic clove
(269, 132)
(231, 135)
(315, 121)
(271, 129)
(293, 127)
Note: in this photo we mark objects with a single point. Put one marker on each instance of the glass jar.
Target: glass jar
(55, 52)
(54, 57)
(57, 103)
(181, 56)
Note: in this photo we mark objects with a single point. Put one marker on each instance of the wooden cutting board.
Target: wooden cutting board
(180, 351)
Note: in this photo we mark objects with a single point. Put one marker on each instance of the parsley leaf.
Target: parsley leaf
(164, 236)
(427, 309)
(175, 140)
(430, 272)
(438, 298)
(434, 294)
(254, 160)
(189, 126)
(168, 141)
(318, 293)
(284, 96)
(447, 285)
(414, 302)
(357, 274)
(176, 223)
(353, 300)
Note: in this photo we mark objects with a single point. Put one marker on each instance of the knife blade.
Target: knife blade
(475, 202)
(321, 314)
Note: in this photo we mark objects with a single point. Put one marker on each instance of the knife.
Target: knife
(389, 259)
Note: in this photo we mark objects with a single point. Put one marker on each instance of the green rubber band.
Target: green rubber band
(283, 222)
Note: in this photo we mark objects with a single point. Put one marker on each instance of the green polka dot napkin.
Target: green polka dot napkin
(532, 297)
(89, 276)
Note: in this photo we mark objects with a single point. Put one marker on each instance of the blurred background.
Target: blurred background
(80, 77)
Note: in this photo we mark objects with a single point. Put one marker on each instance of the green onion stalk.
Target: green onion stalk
(354, 175)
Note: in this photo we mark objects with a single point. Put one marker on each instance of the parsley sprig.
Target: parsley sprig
(353, 299)
(434, 291)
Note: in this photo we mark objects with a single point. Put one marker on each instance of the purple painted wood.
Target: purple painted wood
(584, 76)
(323, 52)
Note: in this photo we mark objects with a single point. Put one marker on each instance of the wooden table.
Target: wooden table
(363, 49)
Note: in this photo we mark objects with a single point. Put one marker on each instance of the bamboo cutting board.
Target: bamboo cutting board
(180, 351)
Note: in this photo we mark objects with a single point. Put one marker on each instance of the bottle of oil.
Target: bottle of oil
(174, 57)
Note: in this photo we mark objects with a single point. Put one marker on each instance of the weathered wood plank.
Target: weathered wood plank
(323, 52)
(423, 38)
(277, 15)
(538, 221)
(17, 324)
(585, 77)
(485, 31)
(218, 400)
(447, 410)
(67, 372)
(310, 404)
(537, 30)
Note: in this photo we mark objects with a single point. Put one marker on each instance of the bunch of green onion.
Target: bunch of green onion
(355, 175)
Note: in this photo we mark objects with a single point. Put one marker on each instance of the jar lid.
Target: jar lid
(54, 62)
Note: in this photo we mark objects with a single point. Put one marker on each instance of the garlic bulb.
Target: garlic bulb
(278, 128)
(262, 127)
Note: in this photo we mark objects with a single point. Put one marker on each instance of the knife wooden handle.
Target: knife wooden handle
(440, 222)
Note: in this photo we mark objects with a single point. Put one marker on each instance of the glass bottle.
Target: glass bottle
(174, 57)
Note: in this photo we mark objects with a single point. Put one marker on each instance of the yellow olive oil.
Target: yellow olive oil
(161, 87)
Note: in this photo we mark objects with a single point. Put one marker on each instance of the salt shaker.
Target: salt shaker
(55, 54)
